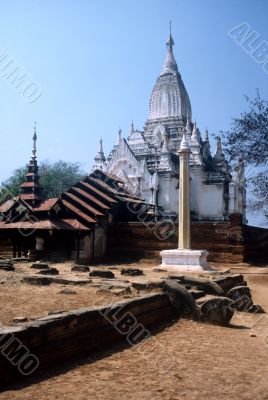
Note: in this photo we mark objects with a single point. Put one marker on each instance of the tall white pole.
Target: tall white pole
(184, 201)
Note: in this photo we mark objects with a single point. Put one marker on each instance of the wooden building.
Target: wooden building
(73, 226)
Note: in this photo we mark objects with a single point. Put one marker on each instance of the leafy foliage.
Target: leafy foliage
(248, 136)
(10, 187)
(58, 177)
(248, 140)
(54, 178)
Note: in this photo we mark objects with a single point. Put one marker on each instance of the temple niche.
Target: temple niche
(148, 161)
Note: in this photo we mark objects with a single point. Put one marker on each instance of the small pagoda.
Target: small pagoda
(31, 190)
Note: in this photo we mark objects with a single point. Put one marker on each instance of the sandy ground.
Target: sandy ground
(18, 299)
(186, 360)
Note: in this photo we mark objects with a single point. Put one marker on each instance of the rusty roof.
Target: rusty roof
(78, 212)
(46, 205)
(48, 224)
(90, 197)
(103, 185)
(30, 184)
(30, 196)
(119, 192)
(6, 206)
(83, 204)
(97, 191)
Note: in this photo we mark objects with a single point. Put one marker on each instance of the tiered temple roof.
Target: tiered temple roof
(31, 189)
(78, 208)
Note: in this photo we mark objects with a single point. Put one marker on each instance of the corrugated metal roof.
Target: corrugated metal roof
(30, 196)
(97, 191)
(64, 224)
(47, 204)
(103, 185)
(29, 184)
(91, 198)
(83, 204)
(118, 192)
(78, 212)
(76, 224)
(6, 206)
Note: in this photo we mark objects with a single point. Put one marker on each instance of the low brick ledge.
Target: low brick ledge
(58, 337)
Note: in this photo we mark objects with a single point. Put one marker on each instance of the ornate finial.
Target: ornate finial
(184, 143)
(194, 132)
(34, 142)
(219, 153)
(132, 126)
(188, 127)
(170, 65)
(170, 42)
(206, 135)
(100, 157)
(119, 136)
(100, 146)
(218, 144)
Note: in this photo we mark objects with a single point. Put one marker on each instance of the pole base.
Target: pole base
(180, 260)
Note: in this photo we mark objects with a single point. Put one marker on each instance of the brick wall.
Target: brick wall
(56, 338)
(228, 241)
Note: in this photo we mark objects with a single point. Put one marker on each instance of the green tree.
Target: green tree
(10, 187)
(55, 178)
(247, 139)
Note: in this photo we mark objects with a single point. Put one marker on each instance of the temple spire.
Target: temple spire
(188, 129)
(206, 135)
(119, 136)
(99, 158)
(34, 143)
(101, 147)
(194, 133)
(100, 155)
(219, 153)
(30, 190)
(206, 147)
(170, 65)
(170, 42)
(184, 142)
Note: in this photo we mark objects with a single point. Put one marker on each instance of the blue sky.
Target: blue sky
(97, 62)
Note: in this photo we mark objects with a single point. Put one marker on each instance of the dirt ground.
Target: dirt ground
(19, 299)
(186, 360)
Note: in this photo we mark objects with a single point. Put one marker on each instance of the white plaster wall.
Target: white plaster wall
(163, 194)
(168, 195)
(174, 195)
(195, 188)
(211, 201)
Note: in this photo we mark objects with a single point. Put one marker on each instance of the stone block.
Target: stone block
(131, 271)
(37, 280)
(217, 310)
(80, 268)
(39, 265)
(49, 271)
(102, 274)
(241, 297)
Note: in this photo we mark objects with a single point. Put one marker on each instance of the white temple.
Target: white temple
(148, 161)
